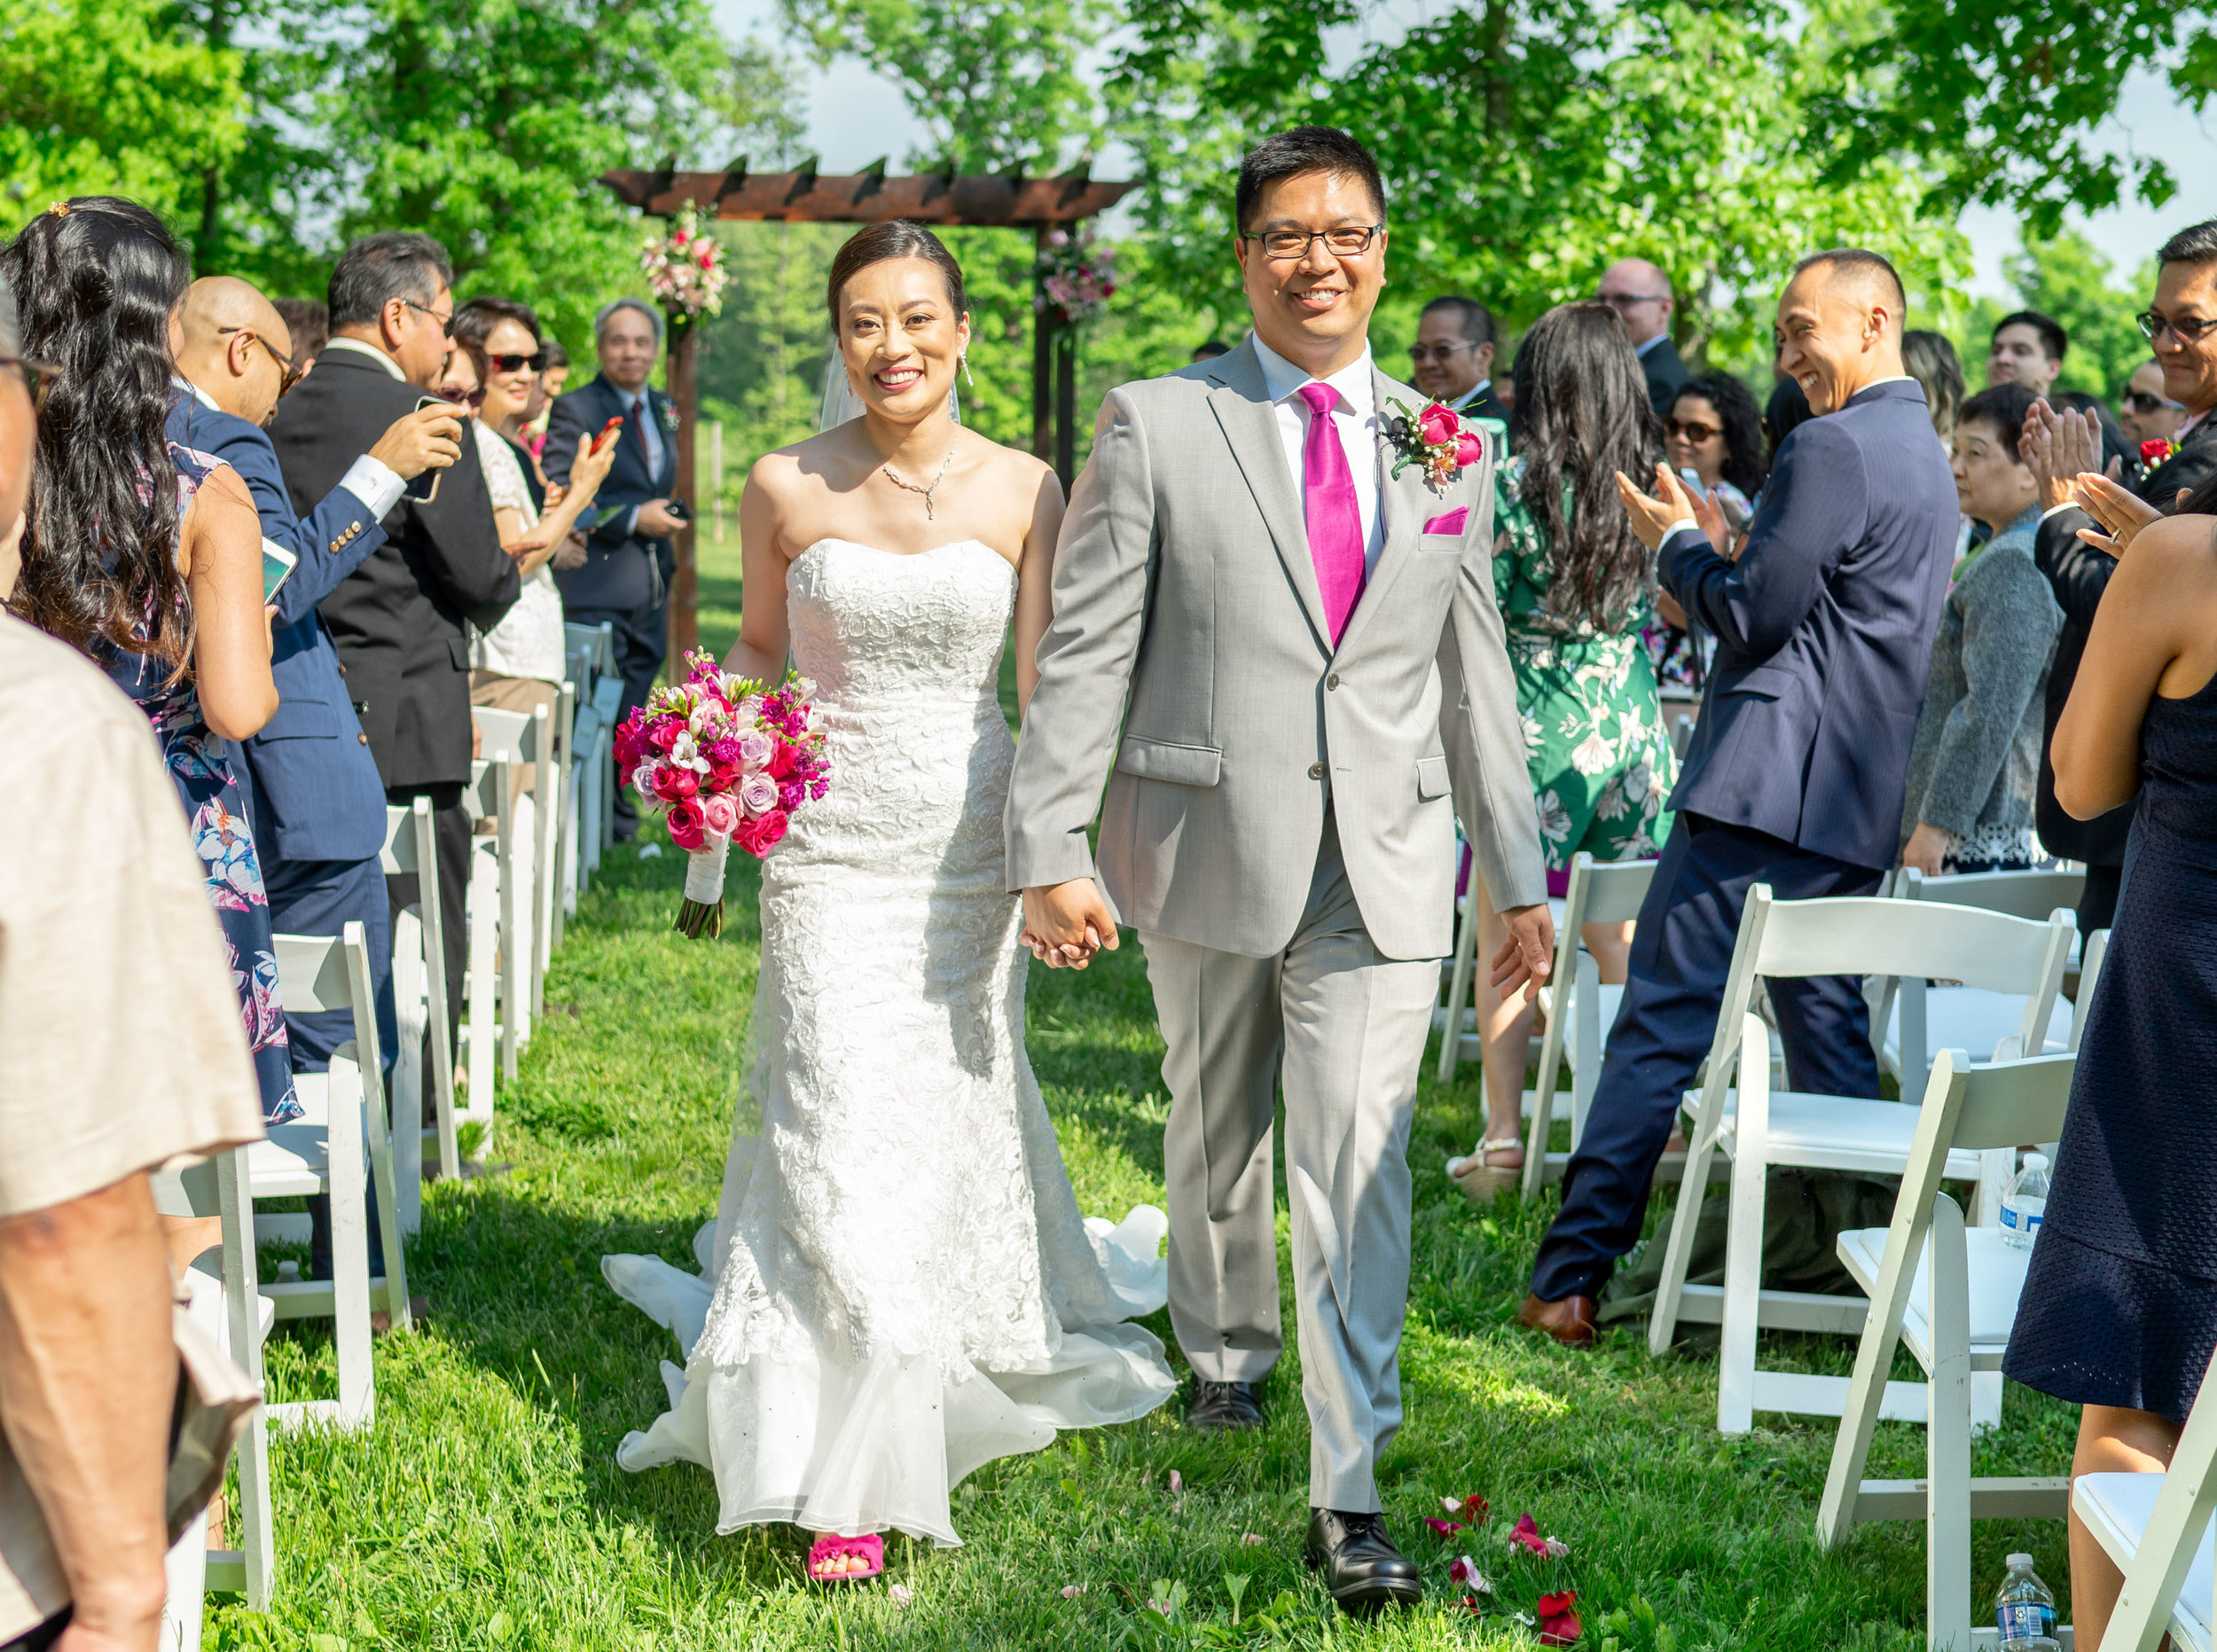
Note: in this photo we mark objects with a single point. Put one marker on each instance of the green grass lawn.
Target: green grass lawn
(485, 1508)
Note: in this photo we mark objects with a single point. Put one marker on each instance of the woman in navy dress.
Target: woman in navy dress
(148, 557)
(2120, 1308)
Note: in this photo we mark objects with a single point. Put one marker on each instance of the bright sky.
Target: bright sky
(854, 117)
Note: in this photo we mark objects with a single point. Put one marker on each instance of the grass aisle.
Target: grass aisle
(486, 1509)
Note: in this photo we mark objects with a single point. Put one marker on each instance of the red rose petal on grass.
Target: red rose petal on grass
(1559, 1624)
(1526, 1535)
(1445, 1528)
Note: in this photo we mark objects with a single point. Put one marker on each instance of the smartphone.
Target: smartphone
(1692, 479)
(424, 487)
(679, 509)
(277, 564)
(607, 433)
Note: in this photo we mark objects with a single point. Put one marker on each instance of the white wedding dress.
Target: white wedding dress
(897, 1287)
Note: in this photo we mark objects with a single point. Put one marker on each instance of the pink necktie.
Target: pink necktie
(1327, 500)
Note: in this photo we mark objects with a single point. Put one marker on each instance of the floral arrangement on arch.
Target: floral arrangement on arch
(1078, 277)
(686, 269)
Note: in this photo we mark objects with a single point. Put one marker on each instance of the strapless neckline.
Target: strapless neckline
(902, 556)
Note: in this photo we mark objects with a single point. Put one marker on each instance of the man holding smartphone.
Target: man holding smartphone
(630, 556)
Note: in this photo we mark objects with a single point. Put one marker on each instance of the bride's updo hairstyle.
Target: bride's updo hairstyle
(877, 243)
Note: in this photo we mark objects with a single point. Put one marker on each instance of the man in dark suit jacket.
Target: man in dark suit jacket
(1641, 294)
(2058, 447)
(313, 795)
(1824, 629)
(398, 619)
(630, 556)
(1452, 361)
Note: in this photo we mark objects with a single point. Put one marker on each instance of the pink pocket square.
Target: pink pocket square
(1449, 523)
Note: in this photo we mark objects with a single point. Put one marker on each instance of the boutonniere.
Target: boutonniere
(2155, 449)
(669, 415)
(1435, 438)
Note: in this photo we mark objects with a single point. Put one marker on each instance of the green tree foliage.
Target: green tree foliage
(2066, 277)
(996, 83)
(106, 97)
(2000, 97)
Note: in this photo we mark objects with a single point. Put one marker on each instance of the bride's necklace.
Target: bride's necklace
(899, 481)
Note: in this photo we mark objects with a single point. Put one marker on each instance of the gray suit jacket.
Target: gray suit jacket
(1189, 647)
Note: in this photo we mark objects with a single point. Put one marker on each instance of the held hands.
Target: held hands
(1065, 924)
(1927, 848)
(430, 438)
(2121, 513)
(654, 520)
(1651, 517)
(1527, 957)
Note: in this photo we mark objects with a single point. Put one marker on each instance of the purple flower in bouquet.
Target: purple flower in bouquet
(757, 794)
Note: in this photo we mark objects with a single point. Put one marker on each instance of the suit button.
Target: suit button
(1316, 772)
(363, 738)
(1332, 681)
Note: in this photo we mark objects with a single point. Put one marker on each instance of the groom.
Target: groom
(1292, 658)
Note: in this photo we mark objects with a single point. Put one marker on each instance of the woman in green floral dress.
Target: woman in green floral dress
(1575, 587)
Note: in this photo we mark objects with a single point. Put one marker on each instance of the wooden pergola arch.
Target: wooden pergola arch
(999, 200)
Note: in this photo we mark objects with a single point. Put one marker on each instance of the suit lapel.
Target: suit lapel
(1402, 500)
(1241, 402)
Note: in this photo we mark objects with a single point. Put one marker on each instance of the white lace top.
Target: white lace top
(527, 642)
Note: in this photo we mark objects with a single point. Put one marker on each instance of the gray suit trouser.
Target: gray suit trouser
(1343, 1028)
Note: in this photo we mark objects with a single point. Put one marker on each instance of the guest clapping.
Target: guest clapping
(147, 556)
(1974, 768)
(1574, 586)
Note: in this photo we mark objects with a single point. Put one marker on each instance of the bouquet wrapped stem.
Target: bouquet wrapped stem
(700, 914)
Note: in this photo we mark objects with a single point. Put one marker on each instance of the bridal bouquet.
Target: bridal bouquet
(726, 760)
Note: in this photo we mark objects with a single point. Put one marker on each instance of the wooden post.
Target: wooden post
(1065, 405)
(1042, 360)
(684, 631)
(716, 475)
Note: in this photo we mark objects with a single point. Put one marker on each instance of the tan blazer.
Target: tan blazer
(1189, 649)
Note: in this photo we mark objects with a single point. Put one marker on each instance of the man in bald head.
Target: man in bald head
(1824, 628)
(313, 798)
(1641, 294)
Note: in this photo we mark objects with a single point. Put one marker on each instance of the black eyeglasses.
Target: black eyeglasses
(446, 323)
(37, 377)
(1348, 241)
(2149, 401)
(516, 363)
(1626, 300)
(2186, 330)
(293, 375)
(1693, 430)
(1422, 353)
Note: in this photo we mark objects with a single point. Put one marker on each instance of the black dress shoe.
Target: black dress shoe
(1225, 1407)
(1361, 1568)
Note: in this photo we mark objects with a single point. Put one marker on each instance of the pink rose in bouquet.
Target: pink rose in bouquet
(688, 824)
(720, 813)
(784, 760)
(757, 794)
(761, 834)
(672, 783)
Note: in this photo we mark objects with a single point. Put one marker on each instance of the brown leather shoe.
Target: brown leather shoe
(1570, 1321)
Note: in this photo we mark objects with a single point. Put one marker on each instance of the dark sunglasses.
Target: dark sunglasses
(2149, 401)
(2186, 330)
(536, 363)
(293, 375)
(463, 398)
(37, 377)
(1693, 430)
(1422, 353)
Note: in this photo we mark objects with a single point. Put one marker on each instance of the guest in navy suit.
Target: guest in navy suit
(313, 796)
(1824, 628)
(630, 557)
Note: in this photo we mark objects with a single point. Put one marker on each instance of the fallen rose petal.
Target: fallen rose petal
(1071, 1590)
(1476, 1510)
(1250, 1539)
(899, 1594)
(1526, 1535)
(1556, 1548)
(1177, 1482)
(1445, 1528)
(1452, 1505)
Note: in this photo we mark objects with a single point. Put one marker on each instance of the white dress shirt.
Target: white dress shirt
(1470, 395)
(1355, 417)
(528, 641)
(371, 481)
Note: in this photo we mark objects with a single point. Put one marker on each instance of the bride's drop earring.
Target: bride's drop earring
(963, 362)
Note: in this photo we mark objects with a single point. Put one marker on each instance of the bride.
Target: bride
(899, 1288)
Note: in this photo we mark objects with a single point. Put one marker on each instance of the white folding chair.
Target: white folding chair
(1948, 1294)
(1916, 1018)
(607, 704)
(1844, 935)
(2157, 1528)
(560, 834)
(420, 992)
(507, 739)
(1600, 892)
(1457, 1019)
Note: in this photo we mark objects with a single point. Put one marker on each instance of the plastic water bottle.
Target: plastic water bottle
(2025, 1611)
(2025, 1204)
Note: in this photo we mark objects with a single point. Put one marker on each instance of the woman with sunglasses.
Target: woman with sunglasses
(1575, 587)
(520, 662)
(1715, 431)
(147, 556)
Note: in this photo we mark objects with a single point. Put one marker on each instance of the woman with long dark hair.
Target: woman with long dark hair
(147, 555)
(1576, 589)
(1714, 434)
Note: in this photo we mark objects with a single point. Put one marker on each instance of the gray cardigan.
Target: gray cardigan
(1976, 762)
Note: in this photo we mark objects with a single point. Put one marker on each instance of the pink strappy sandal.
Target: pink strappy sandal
(871, 1548)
